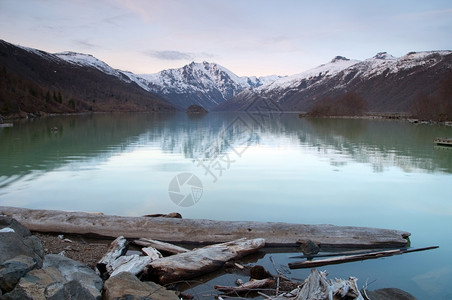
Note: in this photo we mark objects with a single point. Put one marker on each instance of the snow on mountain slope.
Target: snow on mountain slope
(386, 82)
(40, 53)
(388, 64)
(198, 77)
(314, 75)
(347, 70)
(87, 60)
(206, 84)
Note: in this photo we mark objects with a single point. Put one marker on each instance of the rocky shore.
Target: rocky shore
(28, 270)
(57, 266)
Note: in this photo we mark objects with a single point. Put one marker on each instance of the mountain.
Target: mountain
(387, 83)
(205, 84)
(34, 81)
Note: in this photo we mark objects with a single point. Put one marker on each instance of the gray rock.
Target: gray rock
(12, 270)
(12, 223)
(35, 243)
(72, 290)
(390, 294)
(127, 286)
(37, 284)
(13, 244)
(74, 270)
(60, 278)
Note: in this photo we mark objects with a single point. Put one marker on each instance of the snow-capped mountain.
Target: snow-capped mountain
(387, 83)
(206, 84)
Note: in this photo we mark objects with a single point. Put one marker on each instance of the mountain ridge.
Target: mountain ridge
(35, 82)
(388, 83)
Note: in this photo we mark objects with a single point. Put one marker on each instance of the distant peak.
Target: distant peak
(383, 55)
(339, 58)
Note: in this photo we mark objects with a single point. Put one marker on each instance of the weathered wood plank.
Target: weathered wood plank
(152, 253)
(161, 246)
(203, 260)
(205, 231)
(134, 264)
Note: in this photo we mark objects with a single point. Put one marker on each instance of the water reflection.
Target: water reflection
(49, 143)
(38, 146)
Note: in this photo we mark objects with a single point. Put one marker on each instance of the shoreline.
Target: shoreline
(301, 114)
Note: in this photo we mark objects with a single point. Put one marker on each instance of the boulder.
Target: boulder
(127, 286)
(60, 278)
(75, 270)
(37, 284)
(11, 271)
(390, 293)
(12, 244)
(73, 290)
(308, 247)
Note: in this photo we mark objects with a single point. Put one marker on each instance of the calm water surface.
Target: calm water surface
(280, 168)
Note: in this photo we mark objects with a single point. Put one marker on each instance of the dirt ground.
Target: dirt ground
(86, 250)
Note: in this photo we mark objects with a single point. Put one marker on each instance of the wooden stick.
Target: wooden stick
(332, 254)
(351, 258)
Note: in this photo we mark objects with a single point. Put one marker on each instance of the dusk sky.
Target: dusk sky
(248, 37)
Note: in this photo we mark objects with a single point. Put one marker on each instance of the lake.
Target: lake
(255, 167)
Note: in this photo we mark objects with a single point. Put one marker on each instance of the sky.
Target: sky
(249, 37)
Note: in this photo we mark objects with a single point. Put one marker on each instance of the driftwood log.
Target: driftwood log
(318, 287)
(205, 231)
(203, 260)
(352, 258)
(161, 246)
(116, 249)
(134, 264)
(252, 285)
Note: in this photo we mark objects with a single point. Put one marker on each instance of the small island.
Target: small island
(196, 109)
